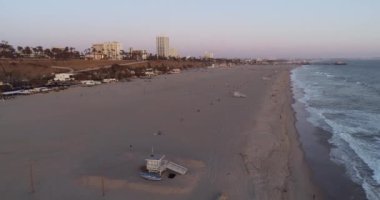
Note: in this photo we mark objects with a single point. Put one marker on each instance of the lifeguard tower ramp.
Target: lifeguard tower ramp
(176, 168)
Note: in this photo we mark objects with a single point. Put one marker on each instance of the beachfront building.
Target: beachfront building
(137, 54)
(162, 44)
(107, 50)
(173, 53)
(208, 55)
(96, 52)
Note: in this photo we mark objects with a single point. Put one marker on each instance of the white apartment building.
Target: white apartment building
(173, 53)
(163, 49)
(208, 55)
(107, 50)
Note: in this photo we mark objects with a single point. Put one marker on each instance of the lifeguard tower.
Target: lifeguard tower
(157, 164)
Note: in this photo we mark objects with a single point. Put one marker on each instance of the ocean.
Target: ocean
(343, 103)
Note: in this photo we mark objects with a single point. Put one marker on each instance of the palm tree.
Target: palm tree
(122, 53)
(94, 52)
(113, 53)
(100, 53)
(86, 52)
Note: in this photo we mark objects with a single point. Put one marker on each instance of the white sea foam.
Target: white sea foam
(368, 152)
(352, 132)
(371, 192)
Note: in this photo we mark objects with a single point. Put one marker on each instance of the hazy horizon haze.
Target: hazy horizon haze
(241, 28)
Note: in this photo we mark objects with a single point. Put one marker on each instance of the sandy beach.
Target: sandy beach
(90, 143)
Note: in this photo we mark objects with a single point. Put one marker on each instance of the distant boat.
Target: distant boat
(150, 176)
(329, 63)
(340, 63)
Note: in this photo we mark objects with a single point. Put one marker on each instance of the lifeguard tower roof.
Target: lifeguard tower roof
(156, 157)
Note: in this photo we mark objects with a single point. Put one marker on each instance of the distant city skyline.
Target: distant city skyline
(241, 28)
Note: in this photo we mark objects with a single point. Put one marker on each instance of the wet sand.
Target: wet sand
(82, 140)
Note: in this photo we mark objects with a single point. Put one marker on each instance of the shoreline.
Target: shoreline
(299, 154)
(298, 146)
(330, 177)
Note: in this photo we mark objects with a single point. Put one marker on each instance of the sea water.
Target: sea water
(345, 101)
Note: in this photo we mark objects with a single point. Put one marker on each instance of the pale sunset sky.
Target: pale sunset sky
(229, 28)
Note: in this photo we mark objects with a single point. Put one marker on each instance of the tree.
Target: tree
(35, 51)
(76, 54)
(7, 50)
(27, 51)
(4, 45)
(40, 51)
(20, 49)
(100, 53)
(48, 53)
(94, 52)
(66, 53)
(87, 51)
(57, 53)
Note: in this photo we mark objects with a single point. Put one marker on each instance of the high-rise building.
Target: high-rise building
(107, 50)
(163, 49)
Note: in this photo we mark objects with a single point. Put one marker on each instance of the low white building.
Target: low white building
(90, 83)
(175, 71)
(63, 77)
(39, 90)
(109, 80)
(149, 72)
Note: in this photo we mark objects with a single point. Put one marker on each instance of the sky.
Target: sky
(228, 28)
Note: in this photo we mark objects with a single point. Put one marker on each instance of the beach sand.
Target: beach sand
(86, 142)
